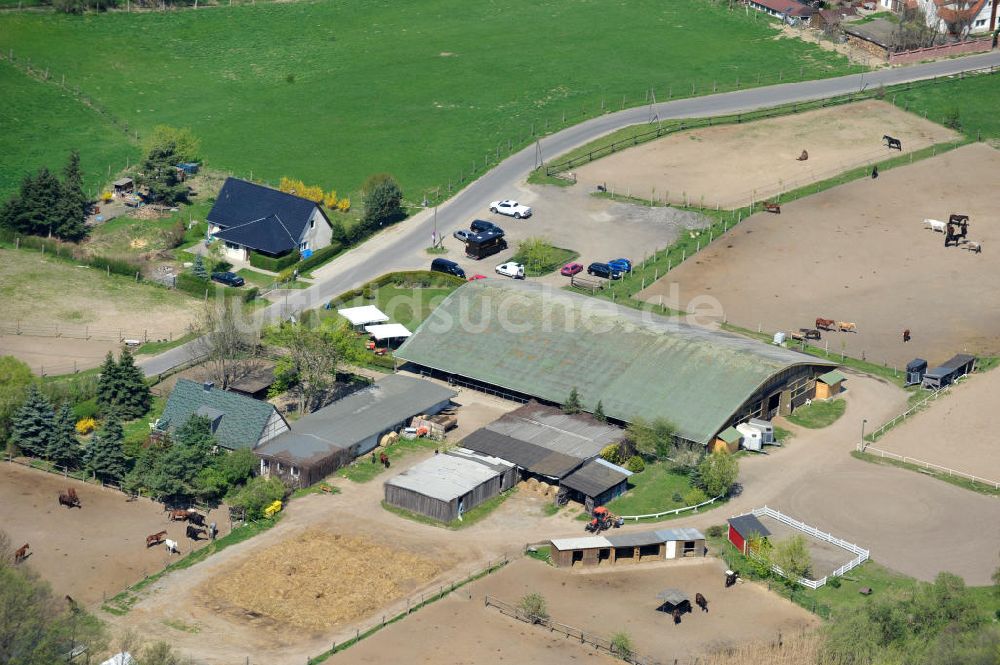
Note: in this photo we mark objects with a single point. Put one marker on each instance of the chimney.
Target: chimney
(208, 385)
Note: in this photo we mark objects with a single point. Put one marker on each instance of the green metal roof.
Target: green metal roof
(832, 377)
(242, 418)
(532, 339)
(730, 435)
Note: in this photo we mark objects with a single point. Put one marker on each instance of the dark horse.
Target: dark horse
(701, 602)
(194, 533)
(677, 615)
(892, 143)
(70, 499)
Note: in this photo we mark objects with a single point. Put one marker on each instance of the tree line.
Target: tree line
(44, 205)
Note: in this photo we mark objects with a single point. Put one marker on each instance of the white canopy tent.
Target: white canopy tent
(388, 331)
(360, 316)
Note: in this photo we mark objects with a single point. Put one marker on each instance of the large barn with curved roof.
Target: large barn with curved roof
(531, 341)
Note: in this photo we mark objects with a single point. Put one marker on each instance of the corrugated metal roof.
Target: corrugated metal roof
(685, 533)
(388, 331)
(529, 456)
(531, 339)
(748, 524)
(730, 435)
(634, 539)
(593, 479)
(673, 596)
(444, 477)
(578, 435)
(346, 422)
(581, 543)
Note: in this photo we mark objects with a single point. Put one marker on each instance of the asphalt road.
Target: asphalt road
(402, 246)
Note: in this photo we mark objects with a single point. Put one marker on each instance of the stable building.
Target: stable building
(637, 364)
(949, 372)
(639, 547)
(325, 440)
(595, 483)
(446, 486)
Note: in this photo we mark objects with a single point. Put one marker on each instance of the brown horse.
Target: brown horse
(701, 602)
(677, 615)
(70, 499)
(155, 539)
(178, 515)
(21, 554)
(825, 324)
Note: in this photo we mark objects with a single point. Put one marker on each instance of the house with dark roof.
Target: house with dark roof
(237, 421)
(789, 11)
(248, 217)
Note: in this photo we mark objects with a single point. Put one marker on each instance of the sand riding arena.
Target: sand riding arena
(861, 253)
(727, 165)
(93, 551)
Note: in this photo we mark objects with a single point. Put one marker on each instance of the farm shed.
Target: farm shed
(728, 440)
(786, 10)
(830, 384)
(323, 441)
(255, 382)
(123, 186)
(596, 482)
(948, 373)
(445, 486)
(237, 421)
(742, 528)
(248, 217)
(658, 545)
(534, 459)
(636, 363)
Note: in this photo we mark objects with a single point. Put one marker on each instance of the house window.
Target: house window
(303, 245)
(295, 472)
(279, 467)
(264, 467)
(312, 223)
(980, 23)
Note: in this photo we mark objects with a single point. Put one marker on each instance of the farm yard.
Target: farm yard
(445, 66)
(697, 167)
(92, 551)
(861, 253)
(826, 557)
(956, 432)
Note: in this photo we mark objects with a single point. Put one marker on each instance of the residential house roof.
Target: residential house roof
(595, 478)
(786, 7)
(638, 364)
(259, 217)
(355, 418)
(240, 419)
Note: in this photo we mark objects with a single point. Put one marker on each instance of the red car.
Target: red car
(571, 269)
(477, 276)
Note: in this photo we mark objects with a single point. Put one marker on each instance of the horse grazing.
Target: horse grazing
(195, 517)
(825, 324)
(155, 539)
(701, 602)
(677, 615)
(892, 143)
(178, 515)
(69, 499)
(21, 553)
(770, 206)
(847, 326)
(172, 546)
(193, 532)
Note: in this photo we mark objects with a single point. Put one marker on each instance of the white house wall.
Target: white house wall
(979, 25)
(320, 234)
(275, 425)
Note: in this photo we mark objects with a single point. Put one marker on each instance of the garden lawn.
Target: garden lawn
(652, 491)
(363, 470)
(557, 260)
(42, 124)
(402, 305)
(974, 98)
(331, 92)
(818, 414)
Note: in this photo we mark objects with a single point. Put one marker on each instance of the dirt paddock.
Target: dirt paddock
(826, 557)
(729, 164)
(860, 253)
(463, 630)
(91, 551)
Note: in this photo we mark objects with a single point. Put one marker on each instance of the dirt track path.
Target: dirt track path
(892, 512)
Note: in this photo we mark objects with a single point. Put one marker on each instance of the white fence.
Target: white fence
(675, 511)
(862, 554)
(881, 431)
(932, 467)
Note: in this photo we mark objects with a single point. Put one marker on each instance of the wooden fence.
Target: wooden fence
(575, 634)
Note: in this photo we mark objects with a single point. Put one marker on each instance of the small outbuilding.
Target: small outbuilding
(446, 486)
(595, 483)
(727, 440)
(743, 528)
(946, 374)
(673, 599)
(659, 545)
(255, 382)
(123, 186)
(830, 384)
(363, 316)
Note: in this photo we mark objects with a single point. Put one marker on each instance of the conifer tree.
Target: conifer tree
(572, 404)
(108, 385)
(64, 447)
(33, 424)
(599, 412)
(134, 399)
(198, 269)
(71, 213)
(105, 455)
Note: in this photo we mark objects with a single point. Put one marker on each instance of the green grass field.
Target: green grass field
(402, 305)
(41, 125)
(331, 92)
(818, 414)
(652, 491)
(975, 98)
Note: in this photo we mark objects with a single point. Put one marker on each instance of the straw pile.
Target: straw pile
(317, 580)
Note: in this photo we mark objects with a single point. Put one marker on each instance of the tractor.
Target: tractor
(603, 519)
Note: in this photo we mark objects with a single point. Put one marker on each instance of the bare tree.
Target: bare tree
(227, 341)
(310, 361)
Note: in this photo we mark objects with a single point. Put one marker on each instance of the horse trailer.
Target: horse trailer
(915, 370)
(766, 430)
(484, 244)
(752, 437)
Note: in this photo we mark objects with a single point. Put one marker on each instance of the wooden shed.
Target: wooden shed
(659, 545)
(445, 486)
(742, 528)
(830, 384)
(727, 440)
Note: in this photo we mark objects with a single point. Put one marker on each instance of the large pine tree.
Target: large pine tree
(64, 447)
(33, 424)
(71, 213)
(135, 398)
(31, 211)
(105, 455)
(109, 388)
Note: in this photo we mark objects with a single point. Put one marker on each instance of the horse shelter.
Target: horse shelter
(638, 547)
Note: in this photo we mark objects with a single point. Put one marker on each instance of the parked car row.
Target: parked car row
(613, 269)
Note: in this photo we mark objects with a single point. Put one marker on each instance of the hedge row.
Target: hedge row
(318, 257)
(273, 264)
(58, 247)
(412, 279)
(197, 287)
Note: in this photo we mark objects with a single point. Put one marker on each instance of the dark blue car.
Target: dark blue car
(228, 278)
(603, 270)
(621, 265)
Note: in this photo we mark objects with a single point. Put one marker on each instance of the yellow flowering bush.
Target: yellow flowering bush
(86, 426)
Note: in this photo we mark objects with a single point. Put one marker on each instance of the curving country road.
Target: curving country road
(402, 246)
